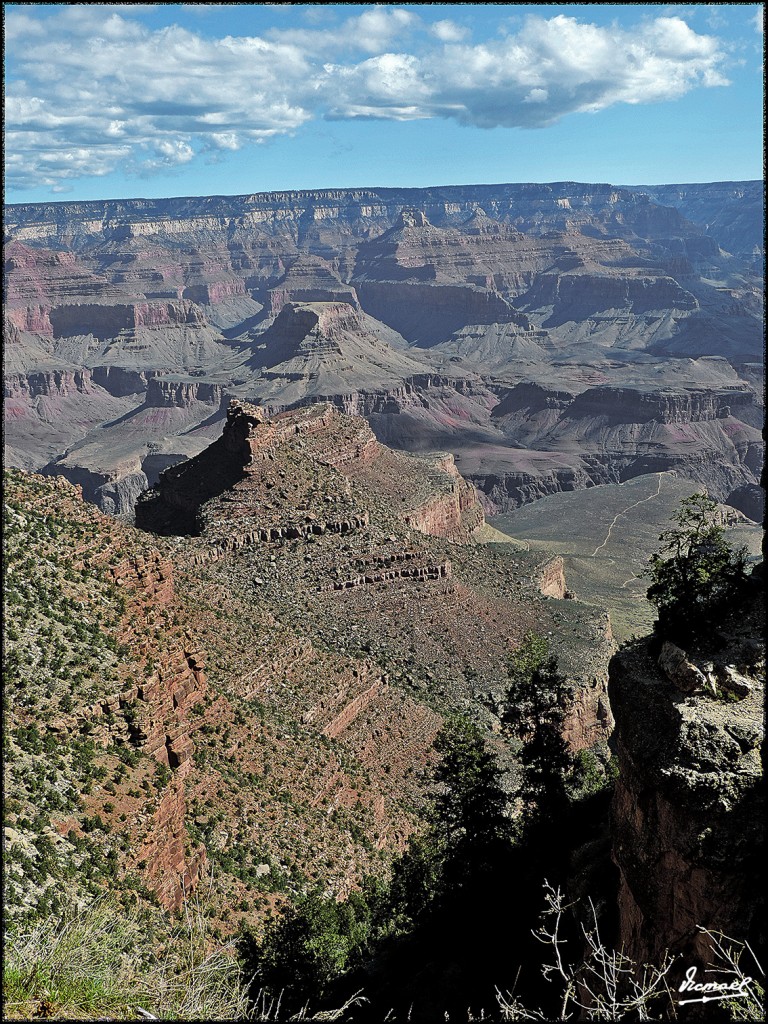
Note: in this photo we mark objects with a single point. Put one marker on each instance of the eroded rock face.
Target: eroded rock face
(688, 809)
(444, 505)
(437, 303)
(154, 716)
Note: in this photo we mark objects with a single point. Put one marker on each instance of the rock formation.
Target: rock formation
(268, 678)
(688, 808)
(242, 459)
(423, 309)
(317, 480)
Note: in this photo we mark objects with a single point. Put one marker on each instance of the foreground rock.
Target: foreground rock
(688, 809)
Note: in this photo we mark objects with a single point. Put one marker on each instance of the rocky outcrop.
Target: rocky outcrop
(588, 721)
(119, 380)
(161, 725)
(750, 500)
(214, 293)
(163, 392)
(674, 664)
(111, 321)
(501, 492)
(115, 380)
(50, 383)
(663, 405)
(455, 513)
(730, 210)
(273, 534)
(687, 820)
(172, 865)
(113, 492)
(393, 572)
(310, 279)
(34, 319)
(314, 350)
(430, 313)
(608, 434)
(552, 578)
(577, 296)
(152, 714)
(242, 459)
(147, 581)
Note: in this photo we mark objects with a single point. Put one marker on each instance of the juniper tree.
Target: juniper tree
(697, 574)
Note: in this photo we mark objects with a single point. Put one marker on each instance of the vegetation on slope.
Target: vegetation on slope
(425, 941)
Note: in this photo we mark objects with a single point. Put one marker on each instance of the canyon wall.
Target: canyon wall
(423, 309)
(687, 821)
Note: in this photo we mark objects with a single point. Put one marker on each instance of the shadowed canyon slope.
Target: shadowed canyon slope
(550, 336)
(258, 683)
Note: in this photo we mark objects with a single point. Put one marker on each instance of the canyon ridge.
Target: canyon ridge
(255, 450)
(549, 336)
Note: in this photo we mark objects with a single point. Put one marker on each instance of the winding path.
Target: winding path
(629, 509)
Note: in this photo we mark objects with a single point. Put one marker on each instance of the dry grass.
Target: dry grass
(91, 966)
(99, 964)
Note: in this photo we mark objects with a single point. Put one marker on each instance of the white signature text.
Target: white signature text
(712, 990)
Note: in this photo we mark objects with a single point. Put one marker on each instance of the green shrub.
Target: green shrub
(697, 575)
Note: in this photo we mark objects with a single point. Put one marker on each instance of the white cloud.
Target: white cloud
(550, 68)
(759, 20)
(449, 31)
(174, 152)
(374, 30)
(91, 88)
(225, 140)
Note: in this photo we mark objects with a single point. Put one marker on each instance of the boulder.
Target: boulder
(675, 665)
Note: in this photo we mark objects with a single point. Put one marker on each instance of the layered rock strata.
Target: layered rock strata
(339, 447)
(412, 306)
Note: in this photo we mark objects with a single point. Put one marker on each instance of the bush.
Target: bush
(697, 575)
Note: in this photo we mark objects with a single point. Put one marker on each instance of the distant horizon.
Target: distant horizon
(380, 188)
(158, 101)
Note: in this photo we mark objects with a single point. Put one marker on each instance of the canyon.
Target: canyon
(551, 337)
(260, 451)
(274, 651)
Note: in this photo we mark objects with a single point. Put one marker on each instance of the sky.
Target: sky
(158, 100)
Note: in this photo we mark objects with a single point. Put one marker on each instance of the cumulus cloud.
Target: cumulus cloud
(374, 30)
(449, 31)
(91, 88)
(551, 68)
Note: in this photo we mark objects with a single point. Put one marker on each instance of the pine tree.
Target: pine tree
(535, 712)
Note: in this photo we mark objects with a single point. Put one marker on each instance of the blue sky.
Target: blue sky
(154, 100)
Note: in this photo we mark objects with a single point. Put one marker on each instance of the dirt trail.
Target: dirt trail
(628, 509)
